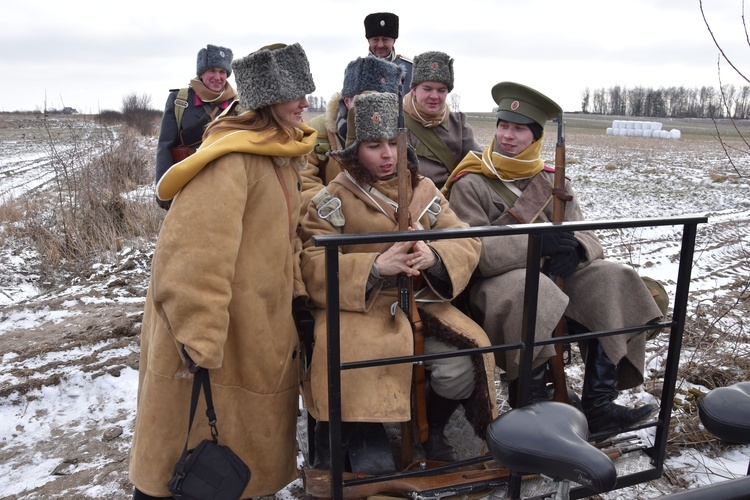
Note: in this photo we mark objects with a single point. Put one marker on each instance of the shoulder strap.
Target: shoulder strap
(527, 208)
(180, 103)
(432, 143)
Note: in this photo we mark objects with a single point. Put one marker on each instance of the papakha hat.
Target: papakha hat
(381, 24)
(371, 73)
(433, 67)
(214, 56)
(373, 117)
(273, 74)
(518, 103)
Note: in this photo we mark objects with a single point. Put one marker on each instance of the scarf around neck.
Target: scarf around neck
(208, 95)
(232, 141)
(494, 165)
(428, 119)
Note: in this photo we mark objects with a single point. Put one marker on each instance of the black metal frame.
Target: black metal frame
(534, 231)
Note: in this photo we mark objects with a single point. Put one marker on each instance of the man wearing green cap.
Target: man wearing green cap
(509, 184)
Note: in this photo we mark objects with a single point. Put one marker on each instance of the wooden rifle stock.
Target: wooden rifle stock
(558, 215)
(417, 430)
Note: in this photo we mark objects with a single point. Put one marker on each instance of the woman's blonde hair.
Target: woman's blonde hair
(258, 120)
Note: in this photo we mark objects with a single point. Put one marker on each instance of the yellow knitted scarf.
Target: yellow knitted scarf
(232, 141)
(522, 166)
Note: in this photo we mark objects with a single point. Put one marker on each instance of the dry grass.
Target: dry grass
(94, 204)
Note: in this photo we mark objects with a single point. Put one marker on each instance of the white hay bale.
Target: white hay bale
(630, 125)
(664, 134)
(615, 123)
(631, 132)
(674, 134)
(648, 133)
(638, 125)
(656, 125)
(647, 126)
(609, 130)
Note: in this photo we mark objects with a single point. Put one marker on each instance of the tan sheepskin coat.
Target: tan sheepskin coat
(224, 274)
(600, 294)
(369, 330)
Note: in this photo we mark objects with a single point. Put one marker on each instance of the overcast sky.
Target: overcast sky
(89, 55)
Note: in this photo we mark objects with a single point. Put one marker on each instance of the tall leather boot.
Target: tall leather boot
(322, 459)
(538, 387)
(439, 411)
(600, 389)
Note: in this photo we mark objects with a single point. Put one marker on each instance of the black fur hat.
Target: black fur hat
(381, 24)
(214, 56)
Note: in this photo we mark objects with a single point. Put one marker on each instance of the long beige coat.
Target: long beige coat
(369, 330)
(224, 274)
(600, 294)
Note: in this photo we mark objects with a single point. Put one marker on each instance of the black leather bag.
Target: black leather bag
(209, 471)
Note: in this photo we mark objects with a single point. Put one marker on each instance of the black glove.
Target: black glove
(553, 243)
(564, 262)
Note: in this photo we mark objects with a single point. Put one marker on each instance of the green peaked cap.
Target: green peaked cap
(521, 104)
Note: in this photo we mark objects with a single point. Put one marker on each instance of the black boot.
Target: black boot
(538, 387)
(439, 411)
(322, 459)
(600, 389)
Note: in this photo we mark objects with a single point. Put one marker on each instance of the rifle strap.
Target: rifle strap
(181, 104)
(430, 145)
(529, 206)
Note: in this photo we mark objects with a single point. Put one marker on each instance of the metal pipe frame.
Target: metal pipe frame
(534, 231)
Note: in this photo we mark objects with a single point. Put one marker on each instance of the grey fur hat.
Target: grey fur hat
(371, 73)
(374, 118)
(433, 67)
(214, 56)
(273, 74)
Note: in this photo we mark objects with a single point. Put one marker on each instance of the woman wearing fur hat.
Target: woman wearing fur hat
(224, 275)
(363, 199)
(207, 95)
(508, 183)
(440, 136)
(364, 74)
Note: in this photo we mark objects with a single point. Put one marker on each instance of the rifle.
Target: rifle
(415, 431)
(556, 363)
(462, 480)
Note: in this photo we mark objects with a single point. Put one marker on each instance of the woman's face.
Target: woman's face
(513, 138)
(431, 95)
(214, 79)
(379, 158)
(291, 111)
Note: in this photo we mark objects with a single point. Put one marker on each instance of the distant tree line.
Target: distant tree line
(728, 101)
(316, 103)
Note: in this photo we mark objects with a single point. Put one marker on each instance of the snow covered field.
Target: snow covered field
(69, 341)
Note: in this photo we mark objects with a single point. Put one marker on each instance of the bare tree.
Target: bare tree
(729, 150)
(454, 101)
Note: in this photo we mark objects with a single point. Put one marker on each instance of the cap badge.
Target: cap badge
(376, 119)
(434, 65)
(514, 105)
(382, 23)
(221, 53)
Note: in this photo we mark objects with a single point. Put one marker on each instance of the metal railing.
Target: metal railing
(534, 232)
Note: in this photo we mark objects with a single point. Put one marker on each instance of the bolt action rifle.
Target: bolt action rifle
(414, 432)
(558, 215)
